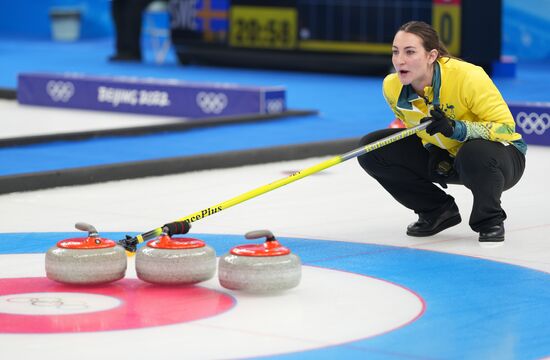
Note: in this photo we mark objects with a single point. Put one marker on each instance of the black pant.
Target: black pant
(485, 167)
(127, 16)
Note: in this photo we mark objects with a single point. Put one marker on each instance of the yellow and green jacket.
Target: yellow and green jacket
(467, 95)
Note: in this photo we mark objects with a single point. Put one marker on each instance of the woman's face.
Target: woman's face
(411, 61)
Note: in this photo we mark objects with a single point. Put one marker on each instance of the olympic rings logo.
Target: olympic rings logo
(212, 103)
(533, 122)
(275, 106)
(60, 90)
(51, 302)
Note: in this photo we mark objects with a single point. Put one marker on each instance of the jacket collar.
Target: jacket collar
(408, 95)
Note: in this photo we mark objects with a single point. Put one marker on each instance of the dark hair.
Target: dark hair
(430, 38)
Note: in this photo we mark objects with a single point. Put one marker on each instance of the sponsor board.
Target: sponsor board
(148, 96)
(532, 121)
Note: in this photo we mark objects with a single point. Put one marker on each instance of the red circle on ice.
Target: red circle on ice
(140, 305)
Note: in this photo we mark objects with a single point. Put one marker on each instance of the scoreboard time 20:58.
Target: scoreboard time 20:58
(263, 27)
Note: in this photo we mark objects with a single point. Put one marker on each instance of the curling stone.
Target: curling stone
(175, 261)
(90, 260)
(397, 123)
(260, 268)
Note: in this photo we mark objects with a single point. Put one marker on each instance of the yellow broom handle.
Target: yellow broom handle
(294, 177)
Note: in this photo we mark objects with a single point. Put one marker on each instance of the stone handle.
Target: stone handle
(86, 227)
(256, 234)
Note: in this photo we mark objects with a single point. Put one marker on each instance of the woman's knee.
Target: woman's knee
(379, 158)
(376, 135)
(369, 160)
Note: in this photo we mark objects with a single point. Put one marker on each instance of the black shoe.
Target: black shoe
(426, 226)
(492, 236)
(125, 58)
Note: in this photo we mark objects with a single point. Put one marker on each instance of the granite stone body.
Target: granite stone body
(175, 266)
(86, 266)
(262, 274)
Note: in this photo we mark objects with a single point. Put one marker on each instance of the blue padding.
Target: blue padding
(111, 150)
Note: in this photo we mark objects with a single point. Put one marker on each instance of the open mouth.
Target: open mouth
(403, 72)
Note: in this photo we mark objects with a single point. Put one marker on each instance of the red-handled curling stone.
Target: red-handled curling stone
(89, 260)
(260, 268)
(397, 124)
(176, 261)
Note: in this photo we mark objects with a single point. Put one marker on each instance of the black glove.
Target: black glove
(440, 124)
(440, 164)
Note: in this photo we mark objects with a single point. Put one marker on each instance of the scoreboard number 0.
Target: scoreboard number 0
(446, 19)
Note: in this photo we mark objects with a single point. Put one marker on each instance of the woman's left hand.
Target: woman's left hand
(440, 124)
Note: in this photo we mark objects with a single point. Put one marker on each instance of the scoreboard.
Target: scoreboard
(326, 35)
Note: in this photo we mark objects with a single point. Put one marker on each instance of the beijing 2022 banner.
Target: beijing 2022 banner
(148, 96)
